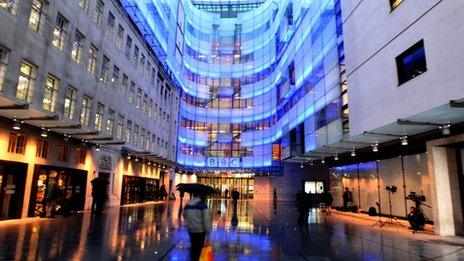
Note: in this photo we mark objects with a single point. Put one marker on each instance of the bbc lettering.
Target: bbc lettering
(223, 162)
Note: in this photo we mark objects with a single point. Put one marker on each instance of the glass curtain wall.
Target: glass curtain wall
(248, 75)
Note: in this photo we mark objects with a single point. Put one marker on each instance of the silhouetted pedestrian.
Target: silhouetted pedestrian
(235, 197)
(51, 197)
(99, 194)
(347, 198)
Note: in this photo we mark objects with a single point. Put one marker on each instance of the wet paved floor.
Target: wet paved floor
(154, 232)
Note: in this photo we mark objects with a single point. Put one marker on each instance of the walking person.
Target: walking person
(198, 221)
(328, 200)
(235, 197)
(99, 194)
(347, 198)
(51, 197)
(163, 193)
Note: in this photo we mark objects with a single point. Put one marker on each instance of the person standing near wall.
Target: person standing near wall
(99, 194)
(235, 197)
(51, 197)
(347, 198)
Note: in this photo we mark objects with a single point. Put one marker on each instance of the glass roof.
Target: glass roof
(221, 6)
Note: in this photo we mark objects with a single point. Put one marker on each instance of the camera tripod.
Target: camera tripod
(390, 220)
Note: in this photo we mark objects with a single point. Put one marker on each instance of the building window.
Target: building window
(115, 77)
(153, 77)
(131, 92)
(125, 82)
(128, 131)
(110, 123)
(150, 108)
(60, 32)
(99, 114)
(77, 47)
(92, 62)
(70, 103)
(42, 149)
(26, 81)
(120, 37)
(50, 93)
(17, 143)
(135, 57)
(10, 6)
(411, 63)
(85, 110)
(37, 17)
(128, 47)
(142, 64)
(136, 135)
(148, 70)
(81, 155)
(110, 25)
(105, 70)
(120, 127)
(139, 98)
(145, 104)
(85, 5)
(142, 138)
(63, 152)
(153, 142)
(147, 142)
(395, 3)
(3, 64)
(98, 17)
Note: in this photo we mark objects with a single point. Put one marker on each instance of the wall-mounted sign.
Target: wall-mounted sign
(105, 162)
(223, 162)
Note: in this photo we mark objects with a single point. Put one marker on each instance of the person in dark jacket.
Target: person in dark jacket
(328, 200)
(347, 198)
(235, 196)
(99, 194)
(51, 197)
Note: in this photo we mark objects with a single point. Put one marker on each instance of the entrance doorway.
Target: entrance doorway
(12, 182)
(225, 185)
(70, 185)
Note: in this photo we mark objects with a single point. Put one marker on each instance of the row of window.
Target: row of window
(17, 144)
(26, 82)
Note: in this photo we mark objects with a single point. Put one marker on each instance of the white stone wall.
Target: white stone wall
(375, 35)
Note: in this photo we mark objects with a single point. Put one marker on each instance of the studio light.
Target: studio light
(445, 129)
(16, 124)
(44, 133)
(353, 152)
(375, 147)
(404, 140)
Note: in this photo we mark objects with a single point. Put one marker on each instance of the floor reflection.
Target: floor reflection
(258, 230)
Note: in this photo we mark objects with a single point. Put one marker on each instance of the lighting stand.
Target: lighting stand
(390, 220)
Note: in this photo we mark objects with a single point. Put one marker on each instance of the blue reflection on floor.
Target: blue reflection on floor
(256, 232)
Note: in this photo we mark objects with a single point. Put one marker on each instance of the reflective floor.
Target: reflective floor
(256, 232)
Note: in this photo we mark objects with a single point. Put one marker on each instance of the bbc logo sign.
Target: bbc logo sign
(223, 162)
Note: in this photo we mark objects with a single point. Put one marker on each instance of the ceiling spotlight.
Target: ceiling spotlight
(312, 163)
(98, 147)
(136, 159)
(301, 166)
(149, 163)
(375, 147)
(445, 129)
(336, 157)
(44, 133)
(16, 124)
(128, 157)
(404, 140)
(353, 152)
(323, 161)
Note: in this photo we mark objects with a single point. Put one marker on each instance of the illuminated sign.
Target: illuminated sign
(223, 162)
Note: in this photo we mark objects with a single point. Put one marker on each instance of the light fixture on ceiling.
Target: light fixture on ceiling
(98, 147)
(66, 137)
(136, 159)
(336, 157)
(375, 147)
(16, 124)
(323, 161)
(445, 129)
(404, 140)
(353, 152)
(149, 163)
(44, 132)
(312, 163)
(128, 157)
(301, 165)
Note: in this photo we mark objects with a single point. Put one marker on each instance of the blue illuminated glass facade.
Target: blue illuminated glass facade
(259, 84)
